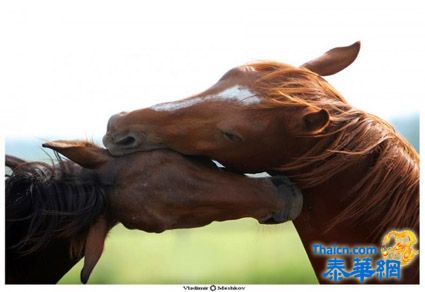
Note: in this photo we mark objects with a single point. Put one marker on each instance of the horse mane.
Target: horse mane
(48, 202)
(391, 185)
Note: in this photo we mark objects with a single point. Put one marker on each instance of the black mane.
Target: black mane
(46, 202)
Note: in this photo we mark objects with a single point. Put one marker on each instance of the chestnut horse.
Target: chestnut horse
(359, 177)
(56, 214)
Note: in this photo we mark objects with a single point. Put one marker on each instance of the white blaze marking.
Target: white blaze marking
(235, 93)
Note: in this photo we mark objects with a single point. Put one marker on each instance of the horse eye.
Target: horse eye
(232, 137)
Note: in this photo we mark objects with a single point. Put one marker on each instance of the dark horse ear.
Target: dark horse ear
(84, 153)
(93, 247)
(334, 60)
(13, 162)
(316, 121)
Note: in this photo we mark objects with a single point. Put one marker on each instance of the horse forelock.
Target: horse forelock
(393, 178)
(49, 202)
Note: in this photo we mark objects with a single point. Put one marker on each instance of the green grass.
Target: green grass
(239, 251)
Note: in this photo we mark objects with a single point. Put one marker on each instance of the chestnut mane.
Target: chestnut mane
(390, 188)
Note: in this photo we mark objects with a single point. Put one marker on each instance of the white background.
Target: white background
(66, 66)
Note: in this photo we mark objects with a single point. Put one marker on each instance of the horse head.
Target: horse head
(239, 118)
(161, 190)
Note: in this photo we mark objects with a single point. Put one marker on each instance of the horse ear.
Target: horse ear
(86, 154)
(94, 247)
(316, 121)
(334, 60)
(13, 162)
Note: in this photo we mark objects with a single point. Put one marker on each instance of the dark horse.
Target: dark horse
(359, 177)
(56, 214)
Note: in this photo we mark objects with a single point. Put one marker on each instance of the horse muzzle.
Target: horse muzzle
(292, 197)
(125, 143)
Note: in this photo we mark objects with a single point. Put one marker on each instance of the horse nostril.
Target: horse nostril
(126, 141)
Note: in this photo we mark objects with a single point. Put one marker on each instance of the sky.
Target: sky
(66, 67)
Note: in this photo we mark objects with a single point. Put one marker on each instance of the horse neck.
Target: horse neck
(324, 202)
(365, 172)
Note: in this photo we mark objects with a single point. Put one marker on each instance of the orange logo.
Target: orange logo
(402, 249)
